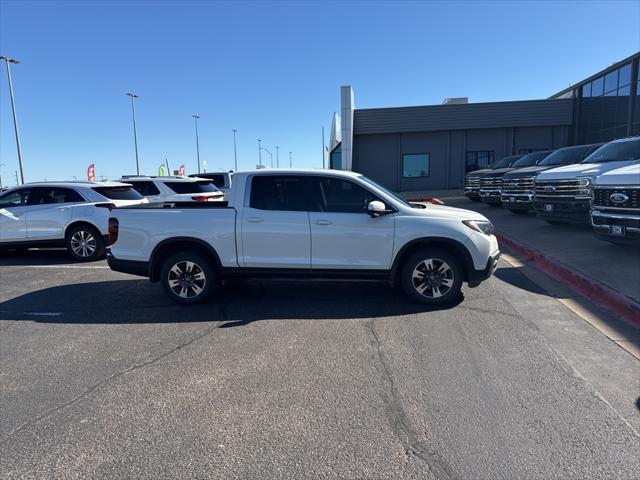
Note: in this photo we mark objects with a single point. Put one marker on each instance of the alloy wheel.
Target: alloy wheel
(186, 279)
(83, 244)
(432, 278)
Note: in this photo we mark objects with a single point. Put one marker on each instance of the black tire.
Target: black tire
(556, 222)
(85, 243)
(431, 260)
(193, 289)
(518, 211)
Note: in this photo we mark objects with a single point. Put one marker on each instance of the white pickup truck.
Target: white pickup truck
(615, 213)
(304, 224)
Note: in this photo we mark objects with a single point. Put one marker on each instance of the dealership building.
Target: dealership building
(431, 147)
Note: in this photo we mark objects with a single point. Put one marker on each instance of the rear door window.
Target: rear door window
(273, 192)
(145, 188)
(192, 187)
(47, 196)
(119, 193)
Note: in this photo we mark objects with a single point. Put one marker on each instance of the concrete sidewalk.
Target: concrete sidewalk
(615, 266)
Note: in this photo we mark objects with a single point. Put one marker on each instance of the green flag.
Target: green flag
(163, 171)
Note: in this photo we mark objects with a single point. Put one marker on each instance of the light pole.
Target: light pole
(290, 161)
(277, 158)
(7, 61)
(270, 156)
(235, 152)
(195, 118)
(135, 133)
(259, 153)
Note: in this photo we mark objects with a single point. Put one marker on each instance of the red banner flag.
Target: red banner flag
(91, 173)
(181, 171)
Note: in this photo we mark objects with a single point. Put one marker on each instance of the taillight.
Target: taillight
(114, 226)
(201, 198)
(110, 206)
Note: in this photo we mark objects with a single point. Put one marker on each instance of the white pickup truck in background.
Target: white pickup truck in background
(304, 224)
(615, 213)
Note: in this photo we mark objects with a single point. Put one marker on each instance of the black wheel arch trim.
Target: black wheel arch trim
(466, 259)
(154, 268)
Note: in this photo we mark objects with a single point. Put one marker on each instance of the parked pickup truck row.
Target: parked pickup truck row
(569, 185)
(304, 224)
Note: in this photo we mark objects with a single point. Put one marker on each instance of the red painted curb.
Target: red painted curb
(623, 306)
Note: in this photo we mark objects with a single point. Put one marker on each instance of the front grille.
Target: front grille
(472, 181)
(602, 197)
(490, 182)
(517, 185)
(562, 189)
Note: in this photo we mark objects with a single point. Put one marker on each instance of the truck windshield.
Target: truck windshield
(205, 186)
(616, 151)
(565, 156)
(530, 159)
(502, 163)
(395, 196)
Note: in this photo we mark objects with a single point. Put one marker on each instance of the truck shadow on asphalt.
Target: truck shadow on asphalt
(236, 303)
(16, 258)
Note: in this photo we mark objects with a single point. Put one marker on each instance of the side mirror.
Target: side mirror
(376, 208)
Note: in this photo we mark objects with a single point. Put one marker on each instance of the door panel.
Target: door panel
(13, 205)
(343, 234)
(47, 222)
(275, 239)
(351, 240)
(275, 223)
(13, 226)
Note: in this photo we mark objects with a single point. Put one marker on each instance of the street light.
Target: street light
(235, 152)
(7, 61)
(195, 118)
(259, 153)
(135, 133)
(270, 155)
(277, 158)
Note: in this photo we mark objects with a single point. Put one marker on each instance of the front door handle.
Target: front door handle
(322, 222)
(255, 220)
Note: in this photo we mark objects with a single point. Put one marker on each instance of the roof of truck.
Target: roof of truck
(266, 171)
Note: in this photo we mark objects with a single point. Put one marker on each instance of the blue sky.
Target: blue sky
(271, 70)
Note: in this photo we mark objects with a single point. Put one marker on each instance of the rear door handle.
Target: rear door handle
(255, 220)
(322, 222)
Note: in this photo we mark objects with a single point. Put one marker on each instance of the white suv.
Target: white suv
(174, 189)
(62, 214)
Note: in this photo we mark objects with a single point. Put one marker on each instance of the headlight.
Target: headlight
(481, 226)
(584, 182)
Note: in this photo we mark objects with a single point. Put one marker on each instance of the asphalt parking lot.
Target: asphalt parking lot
(103, 377)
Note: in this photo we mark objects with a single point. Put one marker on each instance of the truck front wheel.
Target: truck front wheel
(432, 276)
(188, 278)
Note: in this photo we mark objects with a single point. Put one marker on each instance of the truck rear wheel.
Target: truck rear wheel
(432, 276)
(188, 278)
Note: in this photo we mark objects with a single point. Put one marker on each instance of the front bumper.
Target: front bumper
(131, 267)
(520, 201)
(574, 210)
(471, 192)
(490, 196)
(476, 277)
(621, 227)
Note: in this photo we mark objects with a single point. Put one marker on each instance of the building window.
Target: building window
(478, 160)
(415, 165)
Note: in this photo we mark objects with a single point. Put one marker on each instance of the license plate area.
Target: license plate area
(548, 207)
(617, 230)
